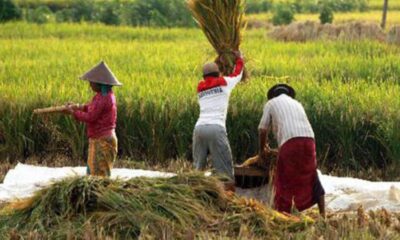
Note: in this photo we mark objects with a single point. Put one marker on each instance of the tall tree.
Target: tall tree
(9, 11)
(384, 15)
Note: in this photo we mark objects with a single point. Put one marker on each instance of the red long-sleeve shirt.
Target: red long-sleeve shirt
(100, 115)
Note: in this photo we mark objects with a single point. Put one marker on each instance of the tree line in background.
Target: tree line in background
(167, 13)
(160, 13)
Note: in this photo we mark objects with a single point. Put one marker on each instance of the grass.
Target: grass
(393, 17)
(349, 90)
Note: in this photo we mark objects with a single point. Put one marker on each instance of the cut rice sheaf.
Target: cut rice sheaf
(129, 208)
(222, 22)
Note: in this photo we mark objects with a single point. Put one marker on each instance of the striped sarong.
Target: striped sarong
(101, 156)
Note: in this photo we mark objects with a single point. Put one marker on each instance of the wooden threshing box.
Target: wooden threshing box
(250, 177)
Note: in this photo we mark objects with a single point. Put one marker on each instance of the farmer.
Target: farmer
(296, 180)
(100, 117)
(209, 135)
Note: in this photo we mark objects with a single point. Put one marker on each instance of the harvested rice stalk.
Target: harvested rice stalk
(174, 207)
(222, 21)
(55, 109)
(265, 163)
(393, 35)
(268, 164)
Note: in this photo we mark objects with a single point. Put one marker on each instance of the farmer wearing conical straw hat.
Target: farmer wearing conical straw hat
(100, 117)
(296, 180)
(210, 135)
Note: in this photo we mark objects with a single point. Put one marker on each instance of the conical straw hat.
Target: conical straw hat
(101, 74)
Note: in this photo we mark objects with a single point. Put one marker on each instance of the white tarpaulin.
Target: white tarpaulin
(24, 180)
(342, 194)
(347, 194)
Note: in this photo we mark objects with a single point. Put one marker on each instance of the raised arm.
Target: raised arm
(238, 67)
(237, 74)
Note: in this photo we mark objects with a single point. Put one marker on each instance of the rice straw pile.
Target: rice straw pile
(393, 35)
(311, 30)
(222, 22)
(174, 208)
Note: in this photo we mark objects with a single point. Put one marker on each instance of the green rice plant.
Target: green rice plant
(349, 90)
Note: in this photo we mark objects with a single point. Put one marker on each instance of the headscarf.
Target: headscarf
(104, 88)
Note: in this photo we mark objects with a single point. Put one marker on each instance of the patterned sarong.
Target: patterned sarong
(296, 179)
(101, 156)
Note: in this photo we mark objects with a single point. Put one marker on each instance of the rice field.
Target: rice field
(393, 17)
(349, 89)
(374, 4)
(378, 4)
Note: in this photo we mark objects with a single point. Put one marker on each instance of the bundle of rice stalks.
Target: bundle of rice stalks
(265, 163)
(262, 220)
(247, 175)
(258, 24)
(310, 30)
(222, 21)
(359, 30)
(158, 208)
(394, 35)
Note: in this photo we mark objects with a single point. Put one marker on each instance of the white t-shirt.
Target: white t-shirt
(287, 118)
(214, 96)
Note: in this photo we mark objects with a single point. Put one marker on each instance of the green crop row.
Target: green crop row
(349, 89)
